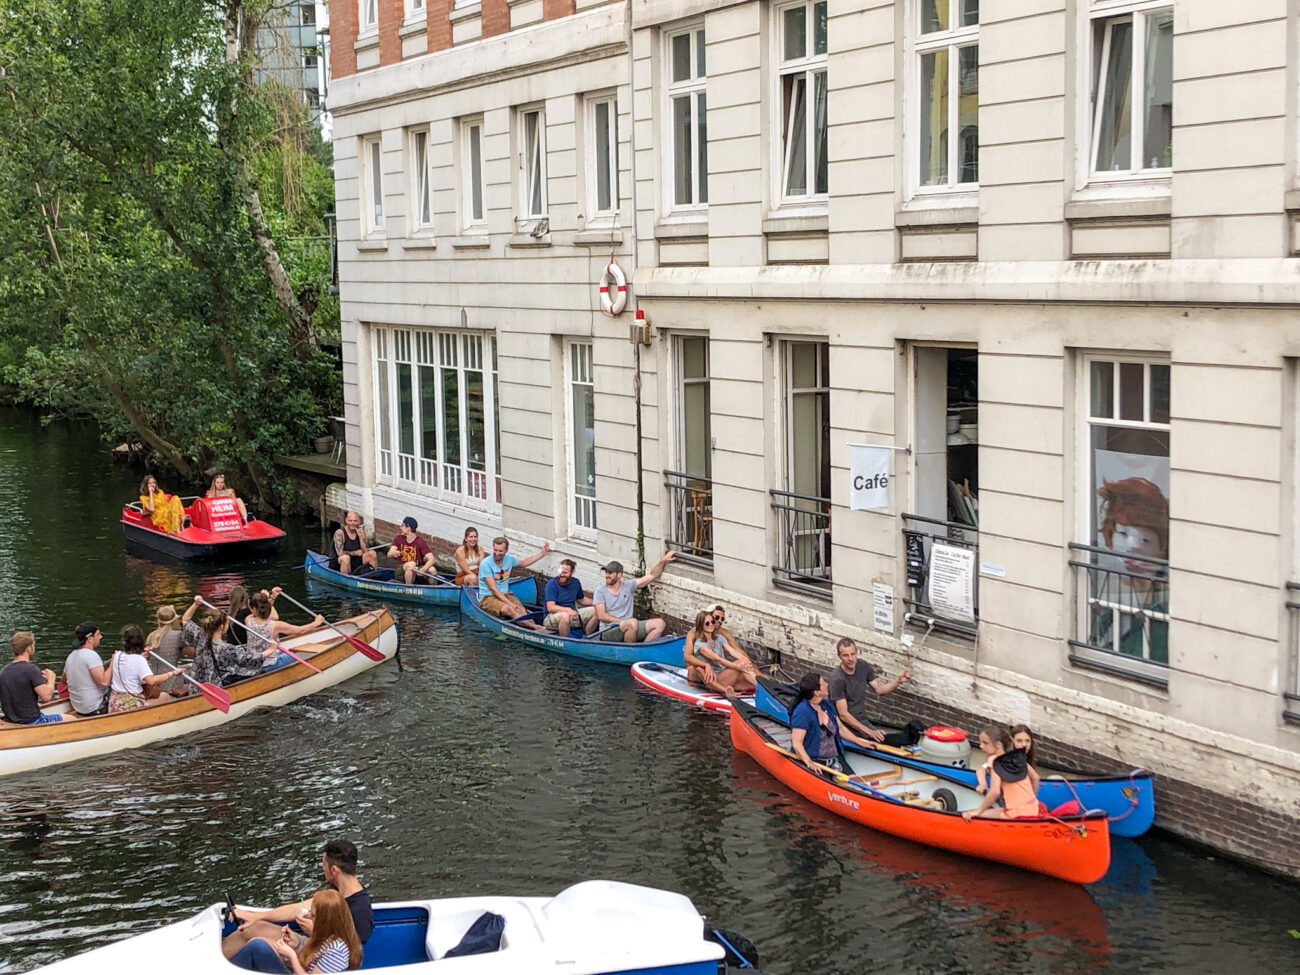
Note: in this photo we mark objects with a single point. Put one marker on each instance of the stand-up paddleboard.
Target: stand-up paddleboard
(672, 681)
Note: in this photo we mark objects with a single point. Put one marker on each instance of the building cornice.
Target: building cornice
(1245, 282)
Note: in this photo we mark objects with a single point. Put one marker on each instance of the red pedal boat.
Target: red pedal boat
(216, 530)
(1073, 848)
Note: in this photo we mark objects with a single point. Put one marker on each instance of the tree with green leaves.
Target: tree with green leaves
(145, 182)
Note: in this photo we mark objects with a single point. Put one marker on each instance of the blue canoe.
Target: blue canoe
(1128, 798)
(665, 650)
(382, 584)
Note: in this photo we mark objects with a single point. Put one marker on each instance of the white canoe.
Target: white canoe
(598, 927)
(672, 681)
(27, 747)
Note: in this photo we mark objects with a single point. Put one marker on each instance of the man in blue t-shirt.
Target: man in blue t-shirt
(494, 582)
(566, 606)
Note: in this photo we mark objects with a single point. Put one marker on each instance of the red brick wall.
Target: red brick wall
(343, 35)
(496, 17)
(438, 13)
(555, 9)
(390, 22)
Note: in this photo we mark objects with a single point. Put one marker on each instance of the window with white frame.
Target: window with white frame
(946, 110)
(368, 11)
(581, 402)
(1123, 567)
(414, 9)
(602, 167)
(436, 413)
(532, 163)
(372, 186)
(695, 437)
(802, 73)
(803, 509)
(472, 214)
(421, 195)
(1132, 87)
(687, 158)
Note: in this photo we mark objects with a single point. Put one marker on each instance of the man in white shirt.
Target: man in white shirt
(615, 605)
(87, 675)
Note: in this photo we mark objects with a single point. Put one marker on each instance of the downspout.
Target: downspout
(634, 333)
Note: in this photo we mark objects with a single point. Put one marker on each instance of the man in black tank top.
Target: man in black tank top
(352, 555)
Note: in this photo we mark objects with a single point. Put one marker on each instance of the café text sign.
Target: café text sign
(869, 476)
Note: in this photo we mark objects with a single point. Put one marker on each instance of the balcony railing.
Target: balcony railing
(1122, 619)
(1291, 696)
(919, 536)
(803, 543)
(690, 516)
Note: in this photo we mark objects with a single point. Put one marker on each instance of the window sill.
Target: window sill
(366, 40)
(695, 227)
(467, 12)
(956, 210)
(802, 224)
(598, 236)
(420, 244)
(414, 24)
(373, 244)
(471, 242)
(528, 241)
(1111, 205)
(1292, 199)
(1150, 674)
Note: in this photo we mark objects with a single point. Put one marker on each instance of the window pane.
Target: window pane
(695, 358)
(1114, 107)
(422, 177)
(681, 57)
(970, 13)
(683, 154)
(968, 115)
(702, 144)
(810, 444)
(1130, 485)
(405, 413)
(795, 31)
(429, 412)
(821, 180)
(475, 173)
(584, 440)
(699, 54)
(1102, 390)
(934, 118)
(451, 408)
(385, 428)
(803, 365)
(1131, 392)
(934, 15)
(819, 28)
(795, 137)
(376, 184)
(1158, 143)
(695, 429)
(1159, 394)
(475, 418)
(603, 201)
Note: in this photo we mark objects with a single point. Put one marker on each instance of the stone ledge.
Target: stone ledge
(471, 242)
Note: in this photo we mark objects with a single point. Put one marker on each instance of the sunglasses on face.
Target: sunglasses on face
(718, 619)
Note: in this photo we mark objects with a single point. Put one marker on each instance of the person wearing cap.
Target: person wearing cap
(615, 604)
(24, 686)
(87, 676)
(412, 551)
(494, 582)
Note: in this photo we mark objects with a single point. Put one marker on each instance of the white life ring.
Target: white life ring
(612, 280)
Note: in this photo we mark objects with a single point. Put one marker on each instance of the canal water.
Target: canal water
(484, 767)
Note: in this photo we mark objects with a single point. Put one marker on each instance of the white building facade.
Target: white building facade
(1039, 254)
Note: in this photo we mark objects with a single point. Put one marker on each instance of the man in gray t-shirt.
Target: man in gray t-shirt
(848, 684)
(614, 602)
(87, 675)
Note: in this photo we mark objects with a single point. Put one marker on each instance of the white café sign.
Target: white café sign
(869, 476)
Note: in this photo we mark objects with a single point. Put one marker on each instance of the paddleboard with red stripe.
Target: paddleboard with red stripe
(672, 682)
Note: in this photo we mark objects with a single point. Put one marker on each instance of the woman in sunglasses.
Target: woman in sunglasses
(714, 661)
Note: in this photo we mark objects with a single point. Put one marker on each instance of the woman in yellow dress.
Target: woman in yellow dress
(165, 509)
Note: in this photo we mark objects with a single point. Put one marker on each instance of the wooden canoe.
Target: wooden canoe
(27, 747)
(1073, 848)
(1128, 798)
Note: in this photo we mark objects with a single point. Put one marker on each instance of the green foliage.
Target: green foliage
(130, 286)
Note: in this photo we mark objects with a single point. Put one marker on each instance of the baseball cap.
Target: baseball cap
(615, 566)
(86, 630)
(410, 523)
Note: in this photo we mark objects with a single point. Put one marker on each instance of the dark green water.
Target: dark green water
(490, 767)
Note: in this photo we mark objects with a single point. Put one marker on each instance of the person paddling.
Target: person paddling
(24, 686)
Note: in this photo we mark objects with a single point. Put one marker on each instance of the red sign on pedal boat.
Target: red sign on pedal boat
(215, 529)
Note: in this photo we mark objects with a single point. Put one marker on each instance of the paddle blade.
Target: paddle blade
(363, 648)
(309, 666)
(218, 697)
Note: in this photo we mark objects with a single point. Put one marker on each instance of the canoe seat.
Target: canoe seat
(398, 938)
(446, 930)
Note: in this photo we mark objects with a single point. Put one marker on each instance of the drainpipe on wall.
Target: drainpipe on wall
(635, 336)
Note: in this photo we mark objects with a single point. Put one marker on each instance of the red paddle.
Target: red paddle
(275, 643)
(360, 646)
(218, 697)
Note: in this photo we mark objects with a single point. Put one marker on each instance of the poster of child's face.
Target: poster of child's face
(1132, 509)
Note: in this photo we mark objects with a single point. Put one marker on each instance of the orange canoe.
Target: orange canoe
(1073, 848)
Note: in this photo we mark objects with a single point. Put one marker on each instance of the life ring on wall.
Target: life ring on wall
(613, 290)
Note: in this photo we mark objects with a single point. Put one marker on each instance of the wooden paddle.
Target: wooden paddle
(218, 697)
(275, 643)
(439, 582)
(360, 646)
